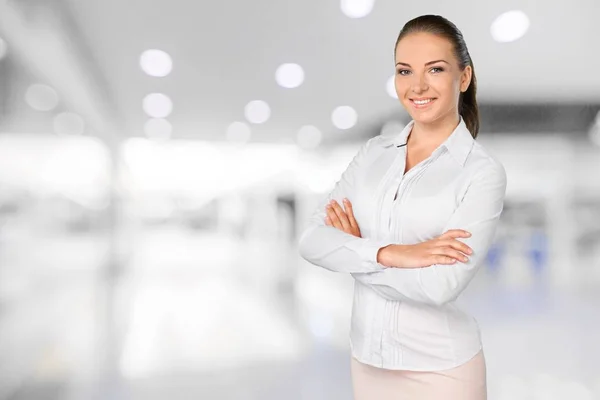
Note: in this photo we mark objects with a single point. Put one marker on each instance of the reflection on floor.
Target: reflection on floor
(206, 317)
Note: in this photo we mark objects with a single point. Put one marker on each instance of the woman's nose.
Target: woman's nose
(419, 84)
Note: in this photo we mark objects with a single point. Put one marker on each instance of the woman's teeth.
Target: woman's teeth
(421, 104)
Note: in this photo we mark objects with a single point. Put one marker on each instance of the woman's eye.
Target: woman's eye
(437, 69)
(403, 72)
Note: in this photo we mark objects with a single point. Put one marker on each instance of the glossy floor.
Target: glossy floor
(203, 316)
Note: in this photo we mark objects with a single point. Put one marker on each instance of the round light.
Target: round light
(344, 117)
(158, 129)
(157, 105)
(41, 97)
(257, 111)
(156, 63)
(390, 87)
(3, 48)
(289, 75)
(509, 26)
(238, 133)
(309, 137)
(392, 128)
(67, 123)
(356, 8)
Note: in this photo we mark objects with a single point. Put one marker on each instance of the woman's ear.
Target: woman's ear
(465, 78)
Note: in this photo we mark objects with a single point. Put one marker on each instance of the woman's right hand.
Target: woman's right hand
(444, 249)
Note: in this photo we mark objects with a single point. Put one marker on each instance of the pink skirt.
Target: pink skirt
(465, 382)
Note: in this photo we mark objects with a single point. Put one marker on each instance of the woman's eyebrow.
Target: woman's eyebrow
(426, 64)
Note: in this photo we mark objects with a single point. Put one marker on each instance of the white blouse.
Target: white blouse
(407, 318)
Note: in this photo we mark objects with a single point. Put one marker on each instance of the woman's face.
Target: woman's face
(428, 77)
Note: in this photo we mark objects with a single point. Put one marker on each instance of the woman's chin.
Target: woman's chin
(424, 119)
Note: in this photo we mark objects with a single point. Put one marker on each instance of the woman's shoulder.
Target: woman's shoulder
(483, 162)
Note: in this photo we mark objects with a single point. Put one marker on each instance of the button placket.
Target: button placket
(385, 201)
(405, 184)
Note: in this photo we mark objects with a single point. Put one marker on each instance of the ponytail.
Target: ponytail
(467, 106)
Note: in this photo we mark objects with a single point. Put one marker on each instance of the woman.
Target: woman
(411, 219)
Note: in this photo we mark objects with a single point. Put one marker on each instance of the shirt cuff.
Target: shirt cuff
(367, 250)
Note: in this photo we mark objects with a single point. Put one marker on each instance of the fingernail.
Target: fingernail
(345, 200)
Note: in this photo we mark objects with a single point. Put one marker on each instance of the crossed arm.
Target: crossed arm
(334, 243)
(334, 249)
(439, 283)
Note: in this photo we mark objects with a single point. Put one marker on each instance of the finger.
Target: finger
(341, 216)
(444, 260)
(350, 213)
(348, 207)
(450, 252)
(334, 218)
(455, 244)
(455, 233)
(328, 221)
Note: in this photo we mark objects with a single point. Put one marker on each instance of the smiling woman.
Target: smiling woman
(411, 220)
(434, 73)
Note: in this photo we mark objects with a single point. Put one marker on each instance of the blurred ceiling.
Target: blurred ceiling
(225, 54)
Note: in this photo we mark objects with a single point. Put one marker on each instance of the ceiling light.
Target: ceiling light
(41, 97)
(157, 105)
(509, 26)
(356, 8)
(289, 75)
(309, 137)
(158, 129)
(257, 111)
(390, 87)
(238, 133)
(344, 117)
(156, 63)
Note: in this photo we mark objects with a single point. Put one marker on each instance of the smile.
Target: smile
(423, 103)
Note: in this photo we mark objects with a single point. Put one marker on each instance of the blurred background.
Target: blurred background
(158, 160)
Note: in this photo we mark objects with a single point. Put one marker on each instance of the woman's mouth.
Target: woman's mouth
(422, 103)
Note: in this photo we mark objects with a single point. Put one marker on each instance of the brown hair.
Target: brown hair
(440, 26)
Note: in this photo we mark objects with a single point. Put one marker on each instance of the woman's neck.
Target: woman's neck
(433, 134)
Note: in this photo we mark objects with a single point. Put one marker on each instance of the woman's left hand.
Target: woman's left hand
(340, 219)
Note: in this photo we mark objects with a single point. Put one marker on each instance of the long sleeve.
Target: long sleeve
(333, 249)
(478, 213)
